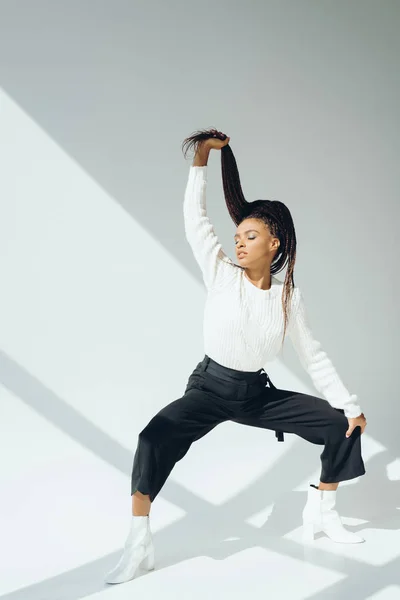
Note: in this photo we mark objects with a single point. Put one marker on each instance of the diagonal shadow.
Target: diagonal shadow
(33, 76)
(53, 408)
(364, 580)
(130, 105)
(205, 528)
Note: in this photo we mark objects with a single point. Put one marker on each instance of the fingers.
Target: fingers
(220, 135)
(353, 426)
(363, 426)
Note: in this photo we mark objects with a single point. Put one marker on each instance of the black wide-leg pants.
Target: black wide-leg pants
(215, 394)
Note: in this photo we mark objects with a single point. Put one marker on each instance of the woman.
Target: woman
(247, 315)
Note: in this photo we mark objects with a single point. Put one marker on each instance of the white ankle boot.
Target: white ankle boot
(138, 552)
(319, 515)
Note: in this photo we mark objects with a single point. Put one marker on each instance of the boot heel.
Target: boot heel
(148, 562)
(308, 532)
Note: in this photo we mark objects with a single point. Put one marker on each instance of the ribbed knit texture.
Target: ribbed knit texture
(243, 325)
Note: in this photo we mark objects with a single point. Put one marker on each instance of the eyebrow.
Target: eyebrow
(248, 231)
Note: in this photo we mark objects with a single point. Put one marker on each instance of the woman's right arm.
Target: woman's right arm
(199, 230)
(201, 156)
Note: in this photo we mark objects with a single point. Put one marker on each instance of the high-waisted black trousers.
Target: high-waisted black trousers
(215, 394)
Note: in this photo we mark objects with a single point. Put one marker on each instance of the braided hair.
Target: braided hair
(273, 213)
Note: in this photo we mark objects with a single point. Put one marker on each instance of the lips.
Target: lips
(241, 254)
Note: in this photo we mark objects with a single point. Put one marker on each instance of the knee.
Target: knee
(337, 427)
(156, 431)
(146, 436)
(149, 435)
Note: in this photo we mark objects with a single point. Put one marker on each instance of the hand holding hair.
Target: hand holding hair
(206, 138)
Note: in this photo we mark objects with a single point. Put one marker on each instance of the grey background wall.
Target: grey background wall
(308, 91)
(102, 299)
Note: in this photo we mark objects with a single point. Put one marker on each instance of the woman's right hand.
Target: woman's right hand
(218, 141)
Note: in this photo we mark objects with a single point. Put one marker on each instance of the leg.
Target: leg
(141, 505)
(165, 440)
(316, 421)
(168, 436)
(328, 486)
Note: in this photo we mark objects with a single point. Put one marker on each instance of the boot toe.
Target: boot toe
(345, 537)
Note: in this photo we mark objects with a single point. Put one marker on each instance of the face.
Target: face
(254, 238)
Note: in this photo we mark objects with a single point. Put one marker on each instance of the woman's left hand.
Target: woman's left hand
(359, 421)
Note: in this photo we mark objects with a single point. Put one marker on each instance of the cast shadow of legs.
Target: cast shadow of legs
(373, 498)
(219, 531)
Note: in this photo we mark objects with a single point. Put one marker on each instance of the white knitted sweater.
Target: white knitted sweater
(243, 325)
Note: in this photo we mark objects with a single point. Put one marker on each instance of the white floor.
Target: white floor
(226, 524)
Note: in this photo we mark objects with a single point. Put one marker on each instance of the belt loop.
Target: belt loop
(279, 436)
(204, 362)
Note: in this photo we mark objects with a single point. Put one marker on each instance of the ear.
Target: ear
(275, 243)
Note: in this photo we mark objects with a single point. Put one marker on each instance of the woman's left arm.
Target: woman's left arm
(316, 362)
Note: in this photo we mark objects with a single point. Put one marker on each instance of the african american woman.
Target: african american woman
(248, 313)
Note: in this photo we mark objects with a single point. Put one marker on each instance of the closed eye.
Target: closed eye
(250, 238)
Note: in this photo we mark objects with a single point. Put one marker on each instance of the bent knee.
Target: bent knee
(157, 430)
(337, 427)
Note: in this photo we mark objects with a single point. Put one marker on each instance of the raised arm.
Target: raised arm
(317, 364)
(215, 265)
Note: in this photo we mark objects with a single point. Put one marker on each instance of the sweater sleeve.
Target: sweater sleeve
(318, 365)
(207, 250)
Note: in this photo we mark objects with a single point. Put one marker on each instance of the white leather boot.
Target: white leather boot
(319, 515)
(138, 552)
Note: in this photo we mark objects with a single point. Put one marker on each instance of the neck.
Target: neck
(260, 278)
